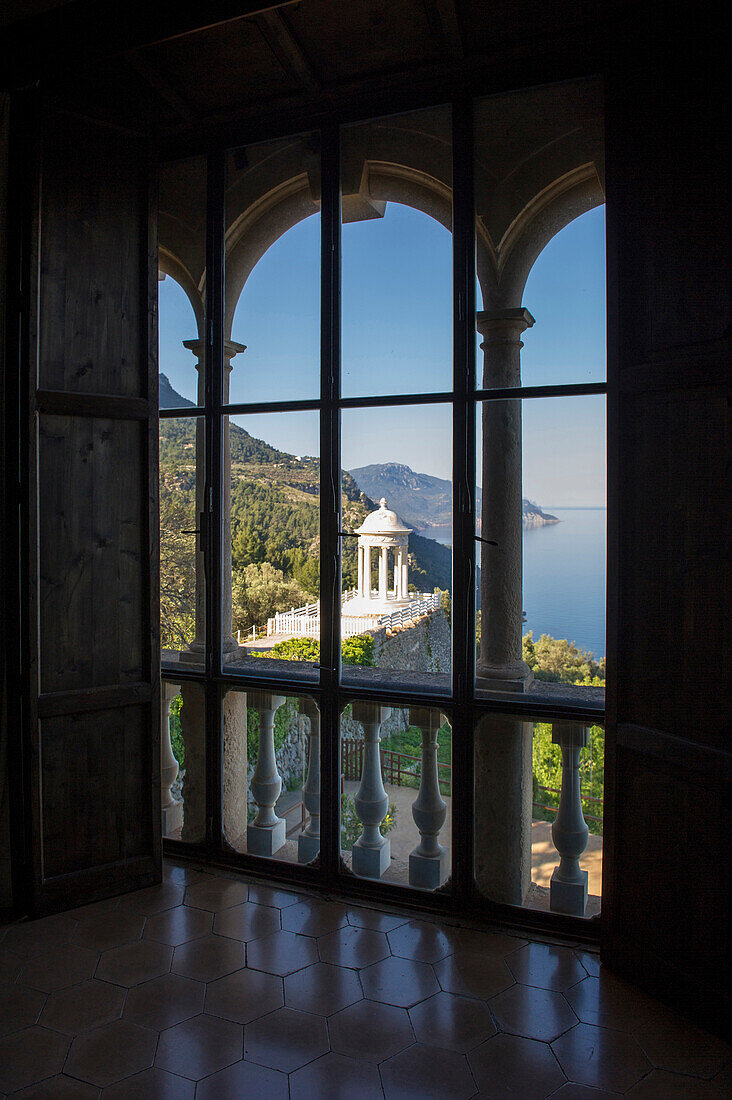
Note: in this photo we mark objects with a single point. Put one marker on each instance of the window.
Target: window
(391, 475)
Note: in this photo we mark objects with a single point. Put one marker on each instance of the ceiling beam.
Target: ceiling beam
(286, 48)
(86, 31)
(445, 25)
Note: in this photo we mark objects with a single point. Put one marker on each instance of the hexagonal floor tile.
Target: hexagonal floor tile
(19, 1007)
(354, 947)
(456, 1023)
(29, 1056)
(546, 966)
(285, 1040)
(400, 982)
(374, 919)
(370, 1030)
(244, 1079)
(179, 925)
(59, 1087)
(102, 931)
(678, 1045)
(151, 1084)
(35, 937)
(421, 940)
(534, 1013)
(153, 899)
(496, 944)
(164, 1002)
(335, 1076)
(314, 917)
(59, 969)
(107, 1054)
(570, 1091)
(509, 1066)
(10, 965)
(282, 953)
(199, 1047)
(247, 922)
(135, 963)
(89, 1004)
(244, 995)
(208, 958)
(473, 975)
(322, 988)
(271, 895)
(661, 1085)
(601, 1057)
(216, 893)
(426, 1071)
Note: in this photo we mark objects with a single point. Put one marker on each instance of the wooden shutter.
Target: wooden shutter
(666, 893)
(93, 785)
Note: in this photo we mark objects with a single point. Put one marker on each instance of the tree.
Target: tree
(260, 590)
(558, 661)
(177, 570)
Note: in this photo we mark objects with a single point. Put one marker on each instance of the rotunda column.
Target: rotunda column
(383, 574)
(500, 664)
(367, 571)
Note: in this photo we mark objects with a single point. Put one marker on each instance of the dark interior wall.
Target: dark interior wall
(666, 900)
(6, 893)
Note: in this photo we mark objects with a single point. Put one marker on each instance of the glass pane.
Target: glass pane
(271, 776)
(539, 797)
(183, 761)
(396, 794)
(273, 271)
(396, 568)
(182, 576)
(540, 236)
(541, 552)
(396, 201)
(182, 279)
(272, 578)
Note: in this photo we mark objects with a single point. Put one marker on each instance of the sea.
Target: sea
(564, 576)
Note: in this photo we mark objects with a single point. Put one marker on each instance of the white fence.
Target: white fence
(305, 621)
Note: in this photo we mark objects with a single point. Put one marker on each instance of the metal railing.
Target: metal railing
(305, 621)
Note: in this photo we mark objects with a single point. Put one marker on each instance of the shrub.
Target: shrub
(351, 827)
(354, 651)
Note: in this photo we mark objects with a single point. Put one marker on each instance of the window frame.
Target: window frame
(462, 706)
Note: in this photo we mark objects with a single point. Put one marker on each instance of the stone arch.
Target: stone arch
(169, 264)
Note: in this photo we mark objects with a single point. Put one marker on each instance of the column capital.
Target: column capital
(231, 348)
(503, 323)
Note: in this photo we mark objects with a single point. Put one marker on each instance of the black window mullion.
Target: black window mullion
(463, 604)
(330, 497)
(213, 492)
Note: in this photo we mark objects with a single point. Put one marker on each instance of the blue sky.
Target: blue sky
(396, 335)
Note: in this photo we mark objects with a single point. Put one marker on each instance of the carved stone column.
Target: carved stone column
(267, 833)
(234, 766)
(500, 664)
(372, 851)
(172, 811)
(568, 888)
(429, 862)
(308, 843)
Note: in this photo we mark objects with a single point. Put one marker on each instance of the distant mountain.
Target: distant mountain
(423, 500)
(170, 398)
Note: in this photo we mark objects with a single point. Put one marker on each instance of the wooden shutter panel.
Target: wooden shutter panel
(93, 786)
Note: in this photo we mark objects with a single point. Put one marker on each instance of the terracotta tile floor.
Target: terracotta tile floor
(209, 988)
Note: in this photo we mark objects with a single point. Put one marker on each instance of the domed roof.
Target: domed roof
(383, 522)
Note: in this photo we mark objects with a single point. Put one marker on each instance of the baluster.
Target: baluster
(308, 843)
(267, 833)
(568, 889)
(372, 851)
(172, 811)
(429, 862)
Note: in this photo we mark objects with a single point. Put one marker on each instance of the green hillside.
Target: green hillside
(274, 520)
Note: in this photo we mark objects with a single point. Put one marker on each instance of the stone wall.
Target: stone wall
(421, 646)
